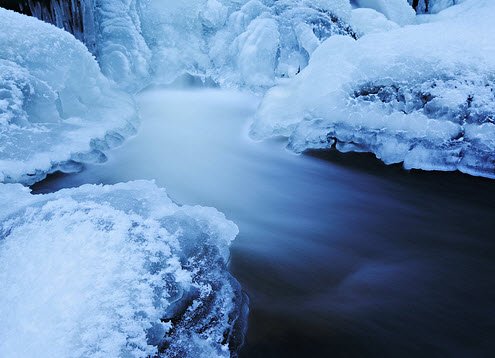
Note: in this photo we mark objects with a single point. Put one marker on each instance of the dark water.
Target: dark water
(341, 256)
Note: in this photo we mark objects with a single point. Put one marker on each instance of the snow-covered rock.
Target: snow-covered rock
(422, 95)
(115, 271)
(56, 108)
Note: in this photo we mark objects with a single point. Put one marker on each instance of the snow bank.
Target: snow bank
(115, 271)
(56, 108)
(422, 95)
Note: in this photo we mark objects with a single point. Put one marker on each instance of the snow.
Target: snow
(421, 95)
(366, 21)
(398, 11)
(77, 17)
(114, 271)
(56, 108)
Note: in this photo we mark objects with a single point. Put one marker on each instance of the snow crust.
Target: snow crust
(56, 108)
(115, 271)
(422, 95)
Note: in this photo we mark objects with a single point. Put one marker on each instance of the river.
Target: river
(340, 255)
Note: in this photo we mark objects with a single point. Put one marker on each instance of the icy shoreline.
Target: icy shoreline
(109, 271)
(427, 104)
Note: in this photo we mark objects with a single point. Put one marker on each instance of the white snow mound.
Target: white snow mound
(114, 271)
(422, 95)
(56, 108)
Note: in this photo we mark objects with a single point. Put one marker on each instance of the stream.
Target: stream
(339, 254)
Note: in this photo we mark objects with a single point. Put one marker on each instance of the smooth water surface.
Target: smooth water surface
(340, 255)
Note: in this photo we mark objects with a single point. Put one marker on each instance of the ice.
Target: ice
(77, 17)
(434, 6)
(366, 21)
(122, 52)
(115, 271)
(233, 42)
(428, 103)
(398, 11)
(265, 41)
(56, 108)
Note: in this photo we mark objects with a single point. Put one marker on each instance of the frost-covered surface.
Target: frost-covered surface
(234, 42)
(115, 271)
(422, 95)
(56, 108)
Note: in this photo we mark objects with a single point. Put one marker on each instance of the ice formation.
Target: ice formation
(56, 108)
(367, 21)
(422, 95)
(75, 16)
(397, 11)
(234, 42)
(115, 271)
(432, 6)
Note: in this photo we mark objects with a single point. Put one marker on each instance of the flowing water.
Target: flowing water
(340, 255)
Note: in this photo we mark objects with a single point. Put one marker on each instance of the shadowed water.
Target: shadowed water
(340, 255)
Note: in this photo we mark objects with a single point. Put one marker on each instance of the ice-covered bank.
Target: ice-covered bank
(422, 95)
(56, 108)
(115, 271)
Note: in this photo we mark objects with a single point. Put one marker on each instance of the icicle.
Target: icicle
(75, 16)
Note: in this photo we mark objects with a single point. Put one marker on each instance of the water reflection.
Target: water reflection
(341, 256)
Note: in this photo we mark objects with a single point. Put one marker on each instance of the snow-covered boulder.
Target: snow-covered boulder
(115, 271)
(56, 108)
(422, 95)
